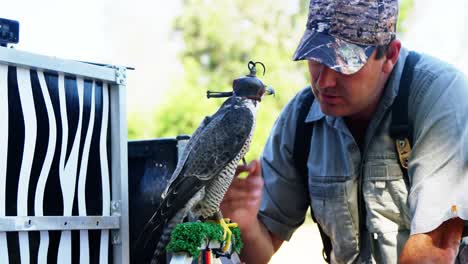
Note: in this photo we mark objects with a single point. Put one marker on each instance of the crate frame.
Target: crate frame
(118, 222)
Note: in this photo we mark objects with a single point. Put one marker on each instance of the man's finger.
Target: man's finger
(243, 195)
(255, 168)
(249, 183)
(235, 205)
(241, 168)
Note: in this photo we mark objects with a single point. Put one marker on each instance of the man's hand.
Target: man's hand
(241, 204)
(242, 200)
(438, 246)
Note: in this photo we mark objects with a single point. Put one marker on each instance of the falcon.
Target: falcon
(207, 166)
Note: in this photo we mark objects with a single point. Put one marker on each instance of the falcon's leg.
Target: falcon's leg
(225, 223)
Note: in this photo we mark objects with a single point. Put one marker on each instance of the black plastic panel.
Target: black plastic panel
(150, 166)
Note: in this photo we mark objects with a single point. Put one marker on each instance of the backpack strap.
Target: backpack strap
(400, 128)
(303, 132)
(301, 152)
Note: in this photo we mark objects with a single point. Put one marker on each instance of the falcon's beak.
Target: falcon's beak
(269, 91)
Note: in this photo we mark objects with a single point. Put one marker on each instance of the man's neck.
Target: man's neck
(358, 122)
(358, 128)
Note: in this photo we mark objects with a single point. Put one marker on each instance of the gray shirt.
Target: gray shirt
(438, 167)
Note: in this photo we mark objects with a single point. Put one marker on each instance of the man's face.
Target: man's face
(355, 95)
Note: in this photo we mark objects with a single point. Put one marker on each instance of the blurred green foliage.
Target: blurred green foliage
(220, 37)
(404, 12)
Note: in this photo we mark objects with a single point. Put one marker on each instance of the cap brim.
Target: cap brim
(335, 53)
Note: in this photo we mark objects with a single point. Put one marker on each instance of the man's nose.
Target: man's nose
(327, 78)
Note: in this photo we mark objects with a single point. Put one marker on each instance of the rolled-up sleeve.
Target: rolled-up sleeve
(285, 196)
(438, 165)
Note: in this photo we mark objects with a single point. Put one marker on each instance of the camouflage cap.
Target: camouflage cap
(342, 34)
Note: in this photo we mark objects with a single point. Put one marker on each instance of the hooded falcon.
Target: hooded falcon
(207, 167)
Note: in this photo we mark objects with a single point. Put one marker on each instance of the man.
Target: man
(355, 184)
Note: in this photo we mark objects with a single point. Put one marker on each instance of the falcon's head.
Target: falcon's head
(248, 86)
(251, 87)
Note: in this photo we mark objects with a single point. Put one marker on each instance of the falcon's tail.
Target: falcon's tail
(150, 247)
(147, 239)
(159, 253)
(156, 234)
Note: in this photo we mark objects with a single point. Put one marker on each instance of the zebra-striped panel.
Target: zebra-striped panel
(54, 161)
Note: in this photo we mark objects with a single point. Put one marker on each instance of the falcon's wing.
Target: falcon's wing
(218, 143)
(186, 152)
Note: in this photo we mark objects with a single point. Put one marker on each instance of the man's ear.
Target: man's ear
(391, 57)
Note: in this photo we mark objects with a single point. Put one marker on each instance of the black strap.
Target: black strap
(303, 132)
(400, 127)
(301, 153)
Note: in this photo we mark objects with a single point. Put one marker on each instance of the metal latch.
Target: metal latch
(121, 75)
(116, 211)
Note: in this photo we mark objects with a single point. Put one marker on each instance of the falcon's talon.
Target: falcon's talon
(227, 233)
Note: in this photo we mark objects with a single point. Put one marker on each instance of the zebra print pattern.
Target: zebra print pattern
(54, 161)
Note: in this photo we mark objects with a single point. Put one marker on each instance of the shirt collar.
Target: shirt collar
(315, 113)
